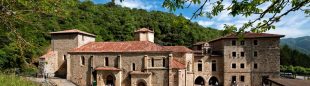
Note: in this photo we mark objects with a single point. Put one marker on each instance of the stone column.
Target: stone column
(68, 67)
(146, 62)
(171, 78)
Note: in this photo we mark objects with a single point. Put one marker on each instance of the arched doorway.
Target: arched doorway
(110, 81)
(213, 81)
(199, 81)
(141, 83)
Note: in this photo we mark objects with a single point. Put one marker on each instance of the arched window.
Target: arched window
(164, 62)
(188, 66)
(199, 65)
(213, 65)
(82, 60)
(133, 66)
(106, 61)
(152, 62)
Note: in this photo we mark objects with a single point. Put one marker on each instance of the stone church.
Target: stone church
(225, 61)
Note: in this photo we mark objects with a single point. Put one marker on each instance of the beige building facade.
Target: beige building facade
(221, 62)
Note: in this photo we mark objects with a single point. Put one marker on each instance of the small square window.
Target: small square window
(233, 42)
(242, 42)
(242, 54)
(233, 65)
(255, 42)
(255, 65)
(255, 53)
(233, 54)
(233, 79)
(242, 65)
(242, 78)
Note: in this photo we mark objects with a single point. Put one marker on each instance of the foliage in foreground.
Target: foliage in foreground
(13, 80)
(295, 70)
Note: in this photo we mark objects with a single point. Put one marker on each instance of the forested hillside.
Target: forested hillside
(294, 57)
(301, 44)
(107, 21)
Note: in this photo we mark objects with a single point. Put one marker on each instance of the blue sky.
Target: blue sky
(295, 24)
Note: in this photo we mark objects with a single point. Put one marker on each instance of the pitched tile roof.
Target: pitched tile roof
(144, 30)
(127, 46)
(49, 54)
(177, 65)
(178, 48)
(73, 31)
(108, 68)
(249, 35)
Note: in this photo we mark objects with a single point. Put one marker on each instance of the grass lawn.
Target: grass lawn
(12, 80)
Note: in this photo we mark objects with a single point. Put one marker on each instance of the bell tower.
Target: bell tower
(144, 34)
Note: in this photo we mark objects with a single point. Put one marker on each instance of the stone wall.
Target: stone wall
(267, 59)
(62, 43)
(207, 72)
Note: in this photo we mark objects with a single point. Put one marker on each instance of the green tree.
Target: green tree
(275, 10)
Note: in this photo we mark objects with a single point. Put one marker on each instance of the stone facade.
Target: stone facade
(225, 61)
(244, 62)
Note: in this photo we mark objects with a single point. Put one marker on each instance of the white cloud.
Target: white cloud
(205, 23)
(136, 4)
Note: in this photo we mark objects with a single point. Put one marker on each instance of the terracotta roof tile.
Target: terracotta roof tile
(127, 46)
(178, 48)
(49, 54)
(144, 30)
(108, 68)
(73, 31)
(249, 35)
(176, 64)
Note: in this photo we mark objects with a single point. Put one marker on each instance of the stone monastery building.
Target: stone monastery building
(225, 61)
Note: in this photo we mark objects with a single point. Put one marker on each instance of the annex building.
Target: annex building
(225, 61)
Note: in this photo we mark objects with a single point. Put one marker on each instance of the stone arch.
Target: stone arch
(199, 81)
(213, 81)
(141, 82)
(110, 80)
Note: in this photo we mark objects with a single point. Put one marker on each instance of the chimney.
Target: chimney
(144, 34)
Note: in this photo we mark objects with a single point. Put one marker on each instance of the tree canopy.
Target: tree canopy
(274, 11)
(25, 35)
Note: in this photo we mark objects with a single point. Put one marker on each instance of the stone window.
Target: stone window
(255, 65)
(106, 61)
(82, 37)
(164, 62)
(242, 65)
(152, 62)
(188, 66)
(82, 60)
(213, 65)
(242, 54)
(255, 54)
(233, 54)
(233, 65)
(233, 79)
(242, 42)
(133, 66)
(255, 42)
(233, 42)
(199, 65)
(242, 78)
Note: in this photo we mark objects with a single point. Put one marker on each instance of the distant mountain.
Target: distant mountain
(301, 44)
